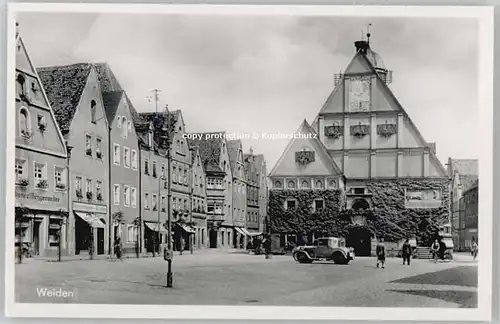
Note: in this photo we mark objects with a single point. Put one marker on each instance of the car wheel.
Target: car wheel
(302, 258)
(339, 258)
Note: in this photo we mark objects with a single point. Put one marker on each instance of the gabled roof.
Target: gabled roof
(233, 148)
(63, 86)
(111, 101)
(305, 128)
(210, 149)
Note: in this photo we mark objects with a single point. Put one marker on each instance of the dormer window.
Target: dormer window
(93, 111)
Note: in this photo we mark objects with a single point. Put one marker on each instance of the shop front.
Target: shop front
(154, 235)
(90, 229)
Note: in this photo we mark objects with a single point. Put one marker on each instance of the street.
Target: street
(235, 278)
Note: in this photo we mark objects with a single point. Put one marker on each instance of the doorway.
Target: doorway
(36, 237)
(213, 239)
(100, 241)
(359, 238)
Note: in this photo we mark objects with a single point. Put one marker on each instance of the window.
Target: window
(42, 125)
(78, 187)
(88, 145)
(40, 175)
(133, 194)
(210, 209)
(53, 231)
(124, 127)
(24, 122)
(318, 205)
(319, 184)
(126, 157)
(59, 178)
(291, 184)
(291, 205)
(185, 177)
(174, 203)
(98, 190)
(163, 209)
(146, 166)
(20, 171)
(175, 175)
(117, 194)
(116, 153)
(163, 169)
(155, 202)
(178, 146)
(134, 159)
(277, 184)
(132, 232)
(146, 201)
(359, 191)
(88, 186)
(126, 195)
(21, 85)
(93, 111)
(129, 126)
(98, 148)
(305, 184)
(154, 169)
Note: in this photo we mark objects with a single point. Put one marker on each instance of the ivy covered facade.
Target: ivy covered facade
(362, 170)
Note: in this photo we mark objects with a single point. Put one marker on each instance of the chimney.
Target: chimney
(362, 46)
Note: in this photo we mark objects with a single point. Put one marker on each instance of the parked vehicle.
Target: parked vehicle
(326, 248)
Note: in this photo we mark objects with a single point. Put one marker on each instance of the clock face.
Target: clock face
(359, 94)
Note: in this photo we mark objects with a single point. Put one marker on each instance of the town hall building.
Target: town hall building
(368, 174)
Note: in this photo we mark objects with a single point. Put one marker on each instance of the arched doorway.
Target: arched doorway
(359, 238)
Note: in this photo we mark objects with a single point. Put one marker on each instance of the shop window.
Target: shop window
(53, 232)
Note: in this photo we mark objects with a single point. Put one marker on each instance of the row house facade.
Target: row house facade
(468, 217)
(252, 178)
(75, 98)
(212, 148)
(41, 169)
(263, 192)
(463, 174)
(199, 200)
(239, 193)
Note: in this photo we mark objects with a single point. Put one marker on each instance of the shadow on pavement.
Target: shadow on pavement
(465, 299)
(458, 276)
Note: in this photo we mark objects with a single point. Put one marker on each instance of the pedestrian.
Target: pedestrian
(381, 253)
(435, 250)
(183, 244)
(473, 248)
(406, 252)
(118, 248)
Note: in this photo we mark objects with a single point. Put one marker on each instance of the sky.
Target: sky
(266, 74)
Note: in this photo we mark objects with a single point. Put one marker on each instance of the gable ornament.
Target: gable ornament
(304, 157)
(334, 131)
(360, 130)
(386, 130)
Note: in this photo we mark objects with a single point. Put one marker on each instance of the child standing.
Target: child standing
(381, 253)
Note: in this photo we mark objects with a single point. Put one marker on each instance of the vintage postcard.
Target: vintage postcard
(249, 162)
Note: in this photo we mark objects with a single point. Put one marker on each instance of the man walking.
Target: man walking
(406, 252)
(381, 253)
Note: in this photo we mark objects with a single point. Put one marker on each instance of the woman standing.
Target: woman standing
(381, 253)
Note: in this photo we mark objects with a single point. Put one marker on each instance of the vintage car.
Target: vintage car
(326, 248)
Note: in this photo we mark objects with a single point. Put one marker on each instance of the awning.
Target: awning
(255, 233)
(186, 228)
(154, 227)
(244, 230)
(91, 219)
(239, 231)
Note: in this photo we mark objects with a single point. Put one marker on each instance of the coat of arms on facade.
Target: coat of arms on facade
(304, 157)
(334, 131)
(386, 130)
(360, 130)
